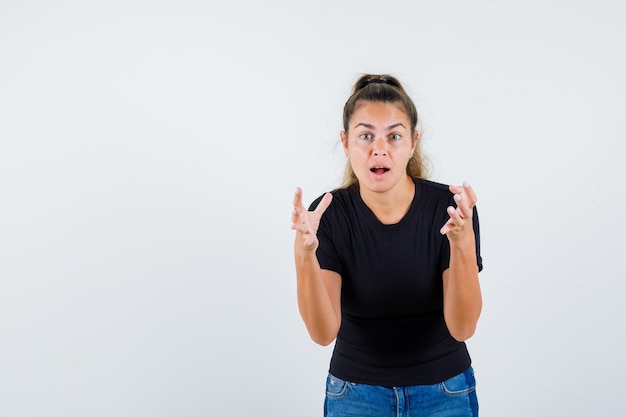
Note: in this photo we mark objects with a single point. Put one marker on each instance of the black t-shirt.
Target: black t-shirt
(392, 331)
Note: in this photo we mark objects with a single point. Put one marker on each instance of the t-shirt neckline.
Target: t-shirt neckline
(371, 218)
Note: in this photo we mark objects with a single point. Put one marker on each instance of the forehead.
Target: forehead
(381, 112)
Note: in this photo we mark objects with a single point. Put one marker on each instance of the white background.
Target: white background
(149, 151)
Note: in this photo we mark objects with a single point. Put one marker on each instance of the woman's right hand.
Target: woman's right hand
(305, 222)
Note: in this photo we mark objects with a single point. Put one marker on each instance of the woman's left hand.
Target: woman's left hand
(460, 219)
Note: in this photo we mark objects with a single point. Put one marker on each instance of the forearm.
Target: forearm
(321, 317)
(462, 296)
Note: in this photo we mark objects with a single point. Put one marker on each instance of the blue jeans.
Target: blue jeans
(455, 397)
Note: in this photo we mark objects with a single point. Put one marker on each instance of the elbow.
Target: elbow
(462, 324)
(323, 341)
(323, 337)
(462, 334)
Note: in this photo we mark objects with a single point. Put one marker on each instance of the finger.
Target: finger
(471, 195)
(296, 215)
(307, 238)
(446, 227)
(301, 228)
(455, 216)
(456, 189)
(300, 220)
(464, 189)
(462, 206)
(324, 203)
(297, 198)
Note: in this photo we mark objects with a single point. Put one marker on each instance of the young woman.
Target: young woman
(387, 267)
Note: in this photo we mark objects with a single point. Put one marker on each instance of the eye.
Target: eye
(395, 136)
(365, 136)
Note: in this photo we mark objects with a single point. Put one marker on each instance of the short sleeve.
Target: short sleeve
(326, 253)
(445, 258)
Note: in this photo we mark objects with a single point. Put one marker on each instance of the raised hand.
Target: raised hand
(305, 222)
(460, 216)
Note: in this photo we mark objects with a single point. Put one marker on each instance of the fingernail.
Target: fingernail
(457, 197)
(465, 184)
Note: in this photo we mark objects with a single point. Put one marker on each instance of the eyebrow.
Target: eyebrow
(369, 126)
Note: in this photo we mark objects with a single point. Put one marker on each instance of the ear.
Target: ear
(416, 137)
(344, 141)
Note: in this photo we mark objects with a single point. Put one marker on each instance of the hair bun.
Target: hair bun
(365, 82)
(376, 79)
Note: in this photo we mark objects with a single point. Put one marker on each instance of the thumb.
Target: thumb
(324, 203)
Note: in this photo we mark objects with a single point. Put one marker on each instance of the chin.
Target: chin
(377, 187)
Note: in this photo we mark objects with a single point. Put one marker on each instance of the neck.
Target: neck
(390, 206)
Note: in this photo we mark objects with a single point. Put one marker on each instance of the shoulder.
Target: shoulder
(431, 185)
(432, 189)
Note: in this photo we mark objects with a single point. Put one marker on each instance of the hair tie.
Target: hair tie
(365, 83)
(375, 81)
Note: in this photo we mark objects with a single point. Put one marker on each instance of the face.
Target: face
(379, 145)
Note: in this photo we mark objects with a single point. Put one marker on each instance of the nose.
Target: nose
(380, 147)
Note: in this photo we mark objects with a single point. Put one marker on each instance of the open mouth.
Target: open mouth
(379, 170)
